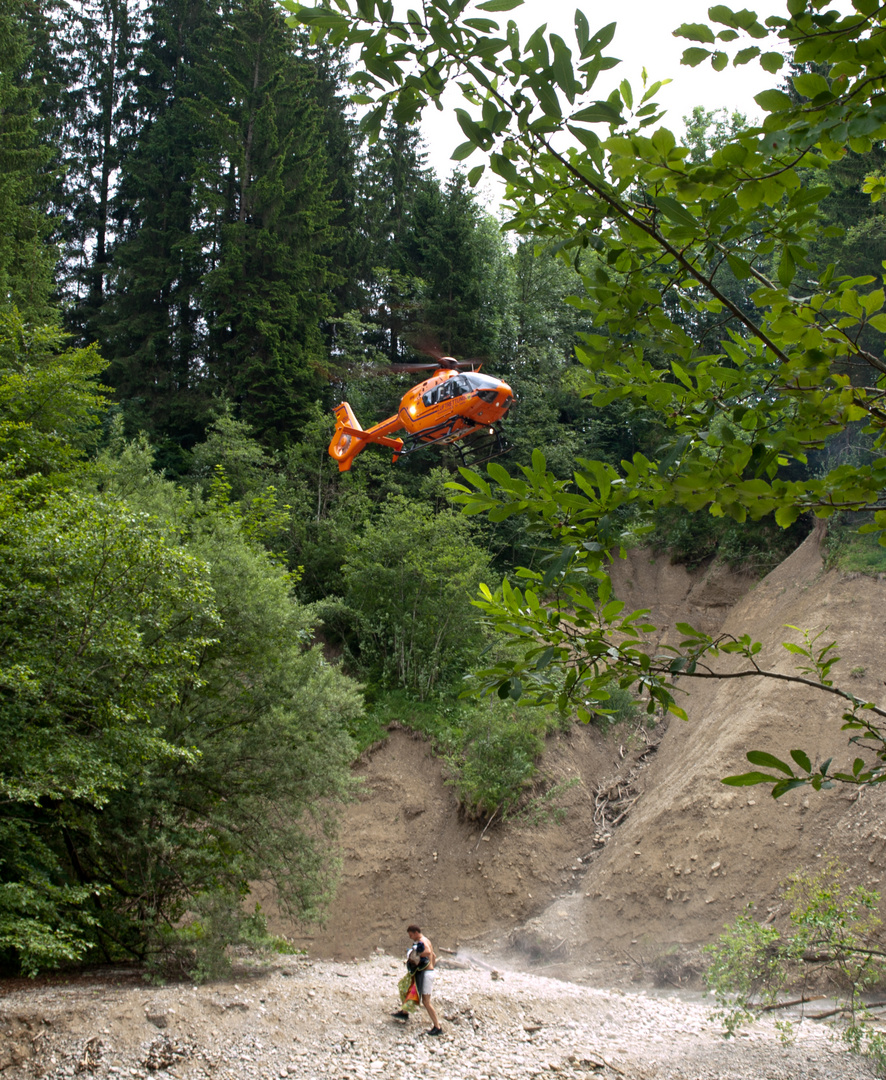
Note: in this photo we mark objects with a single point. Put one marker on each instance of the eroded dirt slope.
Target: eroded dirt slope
(407, 855)
(694, 852)
(690, 854)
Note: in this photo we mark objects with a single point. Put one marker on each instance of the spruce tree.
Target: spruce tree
(273, 226)
(152, 328)
(455, 249)
(390, 185)
(94, 47)
(26, 258)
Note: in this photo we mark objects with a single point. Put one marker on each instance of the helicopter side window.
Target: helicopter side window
(453, 388)
(432, 396)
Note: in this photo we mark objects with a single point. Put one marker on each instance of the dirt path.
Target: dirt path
(318, 1019)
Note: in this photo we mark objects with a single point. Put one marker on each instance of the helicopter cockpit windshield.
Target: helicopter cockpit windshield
(473, 380)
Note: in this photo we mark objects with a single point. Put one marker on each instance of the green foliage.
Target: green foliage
(746, 966)
(850, 552)
(26, 257)
(409, 577)
(50, 399)
(269, 286)
(271, 726)
(497, 760)
(103, 624)
(219, 271)
(491, 750)
(746, 378)
(755, 547)
(620, 707)
(832, 929)
(169, 734)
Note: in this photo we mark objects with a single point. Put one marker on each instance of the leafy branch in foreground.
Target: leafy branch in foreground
(572, 641)
(743, 385)
(832, 930)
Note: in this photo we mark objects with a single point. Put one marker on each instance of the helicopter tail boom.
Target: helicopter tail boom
(349, 438)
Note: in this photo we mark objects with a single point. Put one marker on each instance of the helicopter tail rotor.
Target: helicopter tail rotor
(346, 444)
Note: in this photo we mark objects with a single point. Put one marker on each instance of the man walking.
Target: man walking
(421, 959)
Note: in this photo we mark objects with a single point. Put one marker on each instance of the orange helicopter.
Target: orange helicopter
(453, 406)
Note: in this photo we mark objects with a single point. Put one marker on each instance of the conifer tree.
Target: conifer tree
(93, 49)
(455, 253)
(273, 228)
(223, 273)
(394, 176)
(26, 259)
(151, 328)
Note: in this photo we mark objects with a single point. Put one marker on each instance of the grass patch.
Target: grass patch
(367, 730)
(491, 749)
(854, 554)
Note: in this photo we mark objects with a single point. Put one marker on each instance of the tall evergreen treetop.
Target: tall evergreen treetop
(26, 259)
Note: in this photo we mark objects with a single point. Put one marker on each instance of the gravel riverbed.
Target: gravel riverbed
(317, 1019)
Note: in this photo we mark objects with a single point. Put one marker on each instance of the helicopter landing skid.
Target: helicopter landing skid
(482, 448)
(475, 447)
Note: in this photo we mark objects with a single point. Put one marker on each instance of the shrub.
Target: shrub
(832, 928)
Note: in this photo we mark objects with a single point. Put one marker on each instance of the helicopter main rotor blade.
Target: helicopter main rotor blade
(444, 363)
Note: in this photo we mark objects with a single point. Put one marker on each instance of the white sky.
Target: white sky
(643, 38)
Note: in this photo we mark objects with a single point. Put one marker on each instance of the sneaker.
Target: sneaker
(435, 1031)
(401, 1014)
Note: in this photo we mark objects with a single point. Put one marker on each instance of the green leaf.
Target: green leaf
(743, 56)
(748, 779)
(772, 62)
(598, 112)
(740, 267)
(562, 67)
(675, 211)
(582, 31)
(693, 57)
(802, 760)
(768, 761)
(773, 101)
(810, 85)
(627, 95)
(785, 516)
(696, 32)
(470, 127)
(787, 268)
(499, 5)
